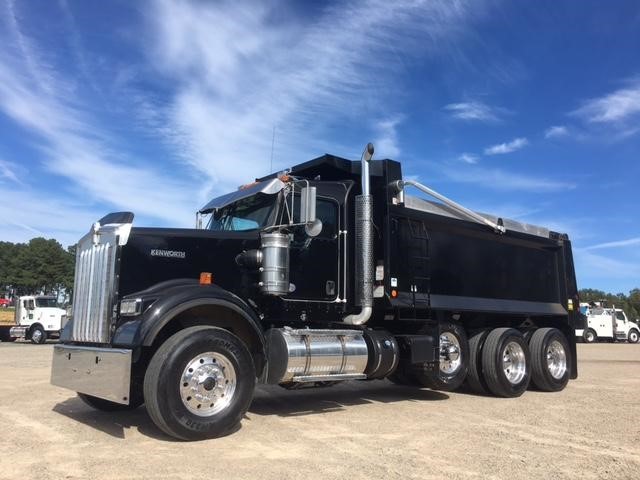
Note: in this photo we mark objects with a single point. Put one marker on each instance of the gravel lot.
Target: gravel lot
(360, 430)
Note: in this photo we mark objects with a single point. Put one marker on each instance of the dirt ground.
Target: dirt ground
(359, 430)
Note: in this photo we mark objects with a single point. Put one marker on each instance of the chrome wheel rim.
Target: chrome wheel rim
(208, 384)
(514, 362)
(36, 336)
(450, 356)
(556, 359)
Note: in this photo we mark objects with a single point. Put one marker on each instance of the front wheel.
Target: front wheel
(38, 335)
(506, 362)
(633, 336)
(199, 383)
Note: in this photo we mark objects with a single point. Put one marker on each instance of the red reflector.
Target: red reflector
(394, 293)
(205, 278)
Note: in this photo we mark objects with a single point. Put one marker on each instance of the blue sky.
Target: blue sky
(527, 110)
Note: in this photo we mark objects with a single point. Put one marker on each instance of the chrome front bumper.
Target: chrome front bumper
(100, 372)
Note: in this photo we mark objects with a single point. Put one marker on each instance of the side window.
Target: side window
(620, 315)
(327, 212)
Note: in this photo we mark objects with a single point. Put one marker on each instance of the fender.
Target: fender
(166, 300)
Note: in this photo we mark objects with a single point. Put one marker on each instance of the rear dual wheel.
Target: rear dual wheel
(503, 362)
(506, 362)
(550, 359)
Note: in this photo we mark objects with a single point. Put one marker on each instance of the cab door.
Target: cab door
(314, 265)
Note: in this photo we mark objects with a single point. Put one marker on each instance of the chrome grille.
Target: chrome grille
(94, 288)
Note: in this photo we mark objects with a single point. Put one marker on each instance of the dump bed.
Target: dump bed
(441, 260)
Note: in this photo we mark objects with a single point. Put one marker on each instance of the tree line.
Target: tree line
(40, 265)
(629, 303)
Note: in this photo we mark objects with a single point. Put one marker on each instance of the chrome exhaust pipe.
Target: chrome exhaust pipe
(364, 241)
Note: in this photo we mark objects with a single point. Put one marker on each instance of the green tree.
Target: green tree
(40, 265)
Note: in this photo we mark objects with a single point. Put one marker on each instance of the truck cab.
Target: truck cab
(38, 317)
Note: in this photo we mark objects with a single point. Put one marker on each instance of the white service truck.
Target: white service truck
(609, 324)
(37, 317)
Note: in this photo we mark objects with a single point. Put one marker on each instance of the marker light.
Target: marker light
(205, 278)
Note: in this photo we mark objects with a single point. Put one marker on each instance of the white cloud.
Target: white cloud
(236, 82)
(9, 171)
(502, 148)
(497, 179)
(617, 244)
(557, 131)
(386, 140)
(597, 268)
(617, 107)
(232, 71)
(474, 111)
(468, 158)
(35, 213)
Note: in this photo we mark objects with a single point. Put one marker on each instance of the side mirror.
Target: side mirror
(307, 205)
(312, 224)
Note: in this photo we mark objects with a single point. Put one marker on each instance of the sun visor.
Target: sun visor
(268, 187)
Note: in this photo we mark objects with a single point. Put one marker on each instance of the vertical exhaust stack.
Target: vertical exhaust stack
(364, 246)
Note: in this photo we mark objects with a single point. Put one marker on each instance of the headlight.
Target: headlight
(131, 307)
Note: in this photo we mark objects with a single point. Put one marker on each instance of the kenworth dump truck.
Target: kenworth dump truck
(328, 272)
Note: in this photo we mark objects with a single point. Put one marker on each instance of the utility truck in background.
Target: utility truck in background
(37, 317)
(325, 273)
(609, 324)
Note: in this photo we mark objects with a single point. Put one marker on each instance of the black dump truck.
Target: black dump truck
(324, 273)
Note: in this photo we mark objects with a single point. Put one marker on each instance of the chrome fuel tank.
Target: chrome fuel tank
(316, 355)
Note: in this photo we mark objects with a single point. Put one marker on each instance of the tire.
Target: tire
(633, 336)
(453, 364)
(475, 380)
(108, 406)
(590, 336)
(506, 363)
(188, 409)
(38, 335)
(550, 360)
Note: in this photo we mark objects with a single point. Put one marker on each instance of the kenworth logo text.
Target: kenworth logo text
(168, 253)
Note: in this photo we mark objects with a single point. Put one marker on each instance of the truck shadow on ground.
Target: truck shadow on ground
(114, 424)
(274, 400)
(268, 400)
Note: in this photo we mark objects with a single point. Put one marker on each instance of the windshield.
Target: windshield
(247, 214)
(46, 302)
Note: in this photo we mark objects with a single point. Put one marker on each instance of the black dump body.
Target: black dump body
(439, 264)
